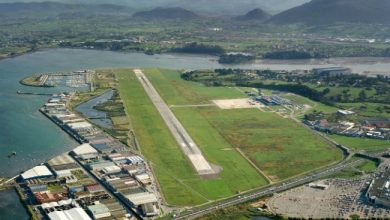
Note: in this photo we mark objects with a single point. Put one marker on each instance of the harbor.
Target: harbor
(75, 79)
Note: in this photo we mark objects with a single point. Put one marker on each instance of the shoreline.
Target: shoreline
(310, 61)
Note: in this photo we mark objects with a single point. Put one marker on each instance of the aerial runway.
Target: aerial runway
(186, 143)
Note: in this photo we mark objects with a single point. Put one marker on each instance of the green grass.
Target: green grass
(179, 182)
(176, 91)
(348, 173)
(366, 144)
(273, 143)
(354, 92)
(368, 109)
(368, 166)
(315, 106)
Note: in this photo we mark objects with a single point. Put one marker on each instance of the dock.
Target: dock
(32, 93)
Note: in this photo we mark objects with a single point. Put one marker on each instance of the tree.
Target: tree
(362, 95)
(325, 91)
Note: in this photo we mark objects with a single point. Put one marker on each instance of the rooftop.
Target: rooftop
(61, 160)
(37, 171)
(381, 187)
(142, 198)
(79, 125)
(84, 149)
(71, 214)
(98, 209)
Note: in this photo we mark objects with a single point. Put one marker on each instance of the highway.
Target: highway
(279, 187)
(180, 134)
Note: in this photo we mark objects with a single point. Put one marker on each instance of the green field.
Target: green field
(366, 144)
(274, 144)
(179, 182)
(369, 109)
(367, 166)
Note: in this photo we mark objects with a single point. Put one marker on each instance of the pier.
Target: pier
(32, 93)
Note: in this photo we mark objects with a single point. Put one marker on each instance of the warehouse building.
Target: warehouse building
(47, 197)
(143, 178)
(85, 152)
(99, 211)
(145, 201)
(345, 112)
(38, 188)
(37, 172)
(63, 165)
(98, 166)
(379, 190)
(141, 198)
(70, 214)
(111, 169)
(332, 71)
(80, 125)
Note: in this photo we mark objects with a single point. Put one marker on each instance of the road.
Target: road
(188, 146)
(292, 183)
(119, 198)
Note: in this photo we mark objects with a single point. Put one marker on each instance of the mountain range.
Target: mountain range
(315, 12)
(204, 7)
(318, 12)
(166, 13)
(254, 15)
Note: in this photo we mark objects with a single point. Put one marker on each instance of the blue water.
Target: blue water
(96, 116)
(10, 206)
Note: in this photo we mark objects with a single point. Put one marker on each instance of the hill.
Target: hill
(167, 13)
(255, 14)
(319, 12)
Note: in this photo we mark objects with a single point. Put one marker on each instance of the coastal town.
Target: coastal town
(100, 179)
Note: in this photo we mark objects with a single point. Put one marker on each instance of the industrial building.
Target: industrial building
(70, 214)
(47, 197)
(62, 162)
(99, 211)
(377, 122)
(143, 178)
(119, 171)
(141, 198)
(273, 100)
(345, 112)
(37, 172)
(379, 190)
(332, 71)
(85, 152)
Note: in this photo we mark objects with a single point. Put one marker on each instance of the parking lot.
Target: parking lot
(343, 198)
